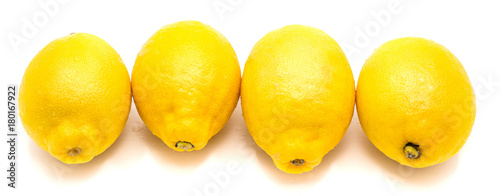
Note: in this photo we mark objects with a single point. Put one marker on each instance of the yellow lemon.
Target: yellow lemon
(415, 101)
(186, 83)
(75, 97)
(297, 96)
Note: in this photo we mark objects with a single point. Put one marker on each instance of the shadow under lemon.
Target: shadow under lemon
(183, 160)
(121, 152)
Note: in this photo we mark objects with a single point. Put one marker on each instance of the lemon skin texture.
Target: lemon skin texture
(75, 97)
(415, 101)
(297, 96)
(186, 83)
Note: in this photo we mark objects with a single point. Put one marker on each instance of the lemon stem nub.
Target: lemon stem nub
(411, 151)
(184, 145)
(298, 162)
(74, 151)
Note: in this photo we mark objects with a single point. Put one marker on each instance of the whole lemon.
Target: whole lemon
(75, 97)
(297, 96)
(186, 83)
(415, 101)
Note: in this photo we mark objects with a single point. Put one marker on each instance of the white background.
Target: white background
(138, 162)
